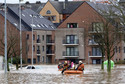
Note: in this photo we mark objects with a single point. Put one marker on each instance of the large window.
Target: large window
(71, 39)
(97, 26)
(71, 51)
(96, 51)
(72, 25)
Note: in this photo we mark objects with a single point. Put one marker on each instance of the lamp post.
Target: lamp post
(32, 38)
(5, 39)
(20, 34)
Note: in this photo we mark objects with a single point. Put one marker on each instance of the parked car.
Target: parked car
(33, 67)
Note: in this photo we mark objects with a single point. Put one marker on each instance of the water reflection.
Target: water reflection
(48, 74)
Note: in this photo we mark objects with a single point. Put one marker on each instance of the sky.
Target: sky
(31, 1)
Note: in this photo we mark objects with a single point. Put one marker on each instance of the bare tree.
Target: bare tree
(12, 45)
(107, 33)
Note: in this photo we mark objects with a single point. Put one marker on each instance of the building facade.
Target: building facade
(86, 20)
(43, 36)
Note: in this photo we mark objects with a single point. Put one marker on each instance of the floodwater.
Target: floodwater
(49, 74)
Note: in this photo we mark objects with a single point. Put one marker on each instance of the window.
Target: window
(33, 48)
(42, 58)
(38, 47)
(38, 36)
(71, 39)
(29, 60)
(71, 51)
(48, 12)
(42, 48)
(43, 37)
(38, 59)
(27, 36)
(96, 51)
(116, 49)
(23, 15)
(49, 38)
(33, 25)
(72, 25)
(51, 18)
(97, 26)
(33, 37)
(15, 24)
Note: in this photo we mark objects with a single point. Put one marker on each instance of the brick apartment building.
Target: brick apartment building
(42, 33)
(84, 17)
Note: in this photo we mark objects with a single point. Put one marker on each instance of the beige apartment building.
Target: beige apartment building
(69, 44)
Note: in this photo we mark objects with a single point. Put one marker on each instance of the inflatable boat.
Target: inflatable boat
(73, 72)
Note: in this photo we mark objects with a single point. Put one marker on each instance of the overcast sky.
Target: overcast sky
(31, 1)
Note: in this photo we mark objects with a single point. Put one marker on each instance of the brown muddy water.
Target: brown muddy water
(49, 74)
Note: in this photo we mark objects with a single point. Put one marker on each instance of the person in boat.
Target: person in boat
(66, 66)
(80, 66)
(60, 65)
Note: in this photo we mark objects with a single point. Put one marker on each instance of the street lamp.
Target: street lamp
(20, 34)
(32, 37)
(5, 39)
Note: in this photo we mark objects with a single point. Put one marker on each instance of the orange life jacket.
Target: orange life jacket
(81, 67)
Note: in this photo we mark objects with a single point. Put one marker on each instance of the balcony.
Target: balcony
(70, 54)
(38, 51)
(50, 42)
(38, 41)
(96, 55)
(50, 52)
(92, 42)
(71, 42)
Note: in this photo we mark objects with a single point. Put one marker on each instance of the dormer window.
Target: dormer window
(48, 12)
(72, 25)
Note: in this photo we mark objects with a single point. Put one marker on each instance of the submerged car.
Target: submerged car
(33, 67)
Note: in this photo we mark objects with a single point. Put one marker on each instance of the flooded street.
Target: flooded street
(49, 74)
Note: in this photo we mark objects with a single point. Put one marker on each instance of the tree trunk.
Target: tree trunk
(16, 66)
(102, 65)
(8, 69)
(109, 63)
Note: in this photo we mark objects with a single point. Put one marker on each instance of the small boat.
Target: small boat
(60, 69)
(73, 72)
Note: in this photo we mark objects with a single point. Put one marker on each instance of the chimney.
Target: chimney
(22, 7)
(64, 4)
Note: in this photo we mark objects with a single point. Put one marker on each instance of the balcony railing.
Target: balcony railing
(50, 52)
(71, 42)
(38, 51)
(70, 54)
(38, 41)
(50, 41)
(96, 55)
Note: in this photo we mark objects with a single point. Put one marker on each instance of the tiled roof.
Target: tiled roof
(70, 6)
(37, 7)
(122, 1)
(39, 22)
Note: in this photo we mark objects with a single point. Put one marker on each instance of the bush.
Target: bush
(16, 60)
